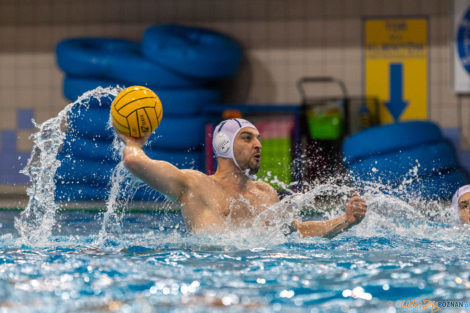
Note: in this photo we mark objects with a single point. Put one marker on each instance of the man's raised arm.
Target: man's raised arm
(159, 175)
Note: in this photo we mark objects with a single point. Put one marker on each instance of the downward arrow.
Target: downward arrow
(396, 105)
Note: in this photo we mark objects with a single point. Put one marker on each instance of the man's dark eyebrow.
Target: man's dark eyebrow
(245, 132)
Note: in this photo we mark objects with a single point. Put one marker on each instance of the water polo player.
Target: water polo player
(207, 201)
(461, 204)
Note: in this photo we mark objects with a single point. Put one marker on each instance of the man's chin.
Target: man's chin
(254, 170)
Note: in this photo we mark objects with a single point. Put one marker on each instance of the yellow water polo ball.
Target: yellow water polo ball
(136, 111)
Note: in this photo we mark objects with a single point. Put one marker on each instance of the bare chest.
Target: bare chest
(241, 208)
(215, 204)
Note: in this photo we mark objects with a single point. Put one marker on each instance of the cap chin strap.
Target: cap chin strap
(232, 155)
(250, 176)
(246, 172)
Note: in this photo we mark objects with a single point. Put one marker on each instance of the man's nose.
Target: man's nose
(257, 143)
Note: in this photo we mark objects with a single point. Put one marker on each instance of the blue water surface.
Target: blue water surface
(155, 265)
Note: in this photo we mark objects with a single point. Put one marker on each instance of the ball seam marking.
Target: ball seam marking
(159, 117)
(133, 102)
(138, 124)
(148, 118)
(129, 127)
(117, 122)
(146, 107)
(120, 98)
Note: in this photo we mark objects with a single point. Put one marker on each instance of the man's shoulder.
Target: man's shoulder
(196, 176)
(264, 186)
(194, 173)
(267, 191)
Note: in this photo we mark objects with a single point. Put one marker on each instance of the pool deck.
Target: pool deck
(13, 197)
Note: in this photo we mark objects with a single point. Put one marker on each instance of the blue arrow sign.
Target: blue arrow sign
(396, 105)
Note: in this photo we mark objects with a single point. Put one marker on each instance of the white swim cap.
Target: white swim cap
(224, 136)
(455, 200)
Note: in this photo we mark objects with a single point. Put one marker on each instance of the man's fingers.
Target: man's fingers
(357, 202)
(357, 199)
(359, 211)
(360, 207)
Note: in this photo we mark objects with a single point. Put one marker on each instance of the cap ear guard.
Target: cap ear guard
(221, 144)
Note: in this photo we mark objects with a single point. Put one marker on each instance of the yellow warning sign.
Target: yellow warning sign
(396, 67)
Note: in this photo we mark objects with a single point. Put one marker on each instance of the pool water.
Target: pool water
(155, 265)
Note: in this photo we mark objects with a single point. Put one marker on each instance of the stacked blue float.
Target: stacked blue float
(181, 64)
(411, 158)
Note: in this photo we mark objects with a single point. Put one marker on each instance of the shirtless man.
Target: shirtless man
(229, 198)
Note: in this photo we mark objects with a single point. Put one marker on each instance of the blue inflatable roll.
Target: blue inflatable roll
(91, 123)
(89, 149)
(436, 187)
(85, 172)
(389, 138)
(173, 132)
(392, 167)
(95, 102)
(117, 59)
(74, 87)
(76, 192)
(192, 51)
(176, 102)
(81, 170)
(179, 133)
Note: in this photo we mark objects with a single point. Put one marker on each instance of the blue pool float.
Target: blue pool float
(435, 187)
(173, 132)
(427, 187)
(86, 172)
(192, 51)
(389, 138)
(78, 147)
(176, 102)
(392, 167)
(77, 192)
(73, 87)
(117, 59)
(92, 171)
(86, 148)
(179, 133)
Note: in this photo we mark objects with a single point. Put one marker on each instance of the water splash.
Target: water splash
(37, 220)
(390, 209)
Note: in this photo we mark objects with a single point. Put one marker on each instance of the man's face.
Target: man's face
(464, 208)
(247, 149)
